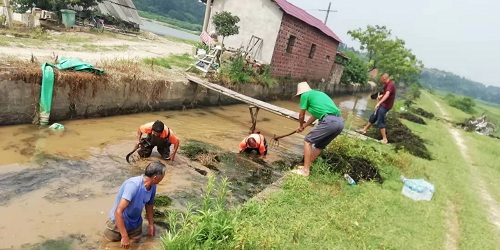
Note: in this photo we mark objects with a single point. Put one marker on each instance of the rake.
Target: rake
(275, 142)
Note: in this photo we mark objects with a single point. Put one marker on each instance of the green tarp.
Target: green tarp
(48, 82)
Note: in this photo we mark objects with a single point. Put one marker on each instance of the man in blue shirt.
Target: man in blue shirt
(125, 221)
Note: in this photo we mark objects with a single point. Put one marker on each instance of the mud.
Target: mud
(358, 168)
(411, 117)
(423, 113)
(402, 137)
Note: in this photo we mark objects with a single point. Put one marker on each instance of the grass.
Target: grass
(180, 61)
(476, 232)
(324, 212)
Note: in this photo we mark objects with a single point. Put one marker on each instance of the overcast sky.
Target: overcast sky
(461, 36)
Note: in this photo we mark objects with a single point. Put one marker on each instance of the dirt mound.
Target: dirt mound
(412, 118)
(402, 137)
(358, 168)
(423, 113)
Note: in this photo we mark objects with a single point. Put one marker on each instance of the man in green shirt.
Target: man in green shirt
(330, 124)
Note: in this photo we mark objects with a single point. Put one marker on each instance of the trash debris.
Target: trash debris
(417, 189)
(481, 125)
(57, 126)
(349, 180)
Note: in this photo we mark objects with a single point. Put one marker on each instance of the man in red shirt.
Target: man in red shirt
(384, 104)
(158, 135)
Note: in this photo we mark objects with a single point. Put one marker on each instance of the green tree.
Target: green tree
(53, 5)
(412, 94)
(225, 24)
(356, 70)
(388, 54)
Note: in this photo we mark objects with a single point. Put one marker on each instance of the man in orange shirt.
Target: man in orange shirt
(158, 135)
(254, 142)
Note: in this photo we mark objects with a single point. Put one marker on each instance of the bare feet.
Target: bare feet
(383, 141)
(361, 131)
(300, 172)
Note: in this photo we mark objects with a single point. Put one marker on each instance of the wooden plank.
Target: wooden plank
(252, 101)
(263, 105)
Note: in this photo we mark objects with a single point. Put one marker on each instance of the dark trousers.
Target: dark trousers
(147, 146)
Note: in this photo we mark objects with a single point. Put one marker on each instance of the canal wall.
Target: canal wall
(79, 95)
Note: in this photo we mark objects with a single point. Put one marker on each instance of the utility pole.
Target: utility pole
(207, 15)
(328, 11)
(9, 15)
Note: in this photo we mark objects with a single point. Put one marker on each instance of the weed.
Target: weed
(209, 226)
(162, 201)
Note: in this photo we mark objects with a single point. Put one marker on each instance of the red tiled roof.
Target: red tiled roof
(302, 15)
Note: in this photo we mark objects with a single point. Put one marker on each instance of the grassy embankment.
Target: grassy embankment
(323, 212)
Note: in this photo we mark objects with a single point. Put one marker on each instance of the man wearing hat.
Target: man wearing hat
(158, 135)
(330, 124)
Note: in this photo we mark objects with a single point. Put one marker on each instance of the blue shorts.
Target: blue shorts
(379, 117)
(329, 127)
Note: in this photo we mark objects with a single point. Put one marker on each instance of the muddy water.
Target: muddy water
(62, 184)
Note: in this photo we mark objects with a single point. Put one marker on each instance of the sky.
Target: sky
(459, 36)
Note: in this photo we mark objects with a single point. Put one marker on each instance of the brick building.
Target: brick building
(295, 43)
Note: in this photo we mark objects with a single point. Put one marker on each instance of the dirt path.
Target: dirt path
(493, 207)
(98, 49)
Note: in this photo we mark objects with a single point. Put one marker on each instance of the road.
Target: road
(167, 31)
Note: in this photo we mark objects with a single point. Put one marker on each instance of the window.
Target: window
(327, 58)
(311, 52)
(290, 44)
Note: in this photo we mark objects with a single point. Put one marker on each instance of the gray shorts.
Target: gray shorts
(329, 127)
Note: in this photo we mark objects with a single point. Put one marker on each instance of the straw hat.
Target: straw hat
(302, 88)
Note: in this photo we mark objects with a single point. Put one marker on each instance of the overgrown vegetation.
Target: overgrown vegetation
(238, 71)
(466, 104)
(162, 201)
(355, 71)
(210, 226)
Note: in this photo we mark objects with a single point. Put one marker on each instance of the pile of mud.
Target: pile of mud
(402, 137)
(423, 113)
(358, 168)
(411, 117)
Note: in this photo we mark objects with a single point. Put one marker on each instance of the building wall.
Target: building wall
(337, 71)
(297, 63)
(261, 18)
